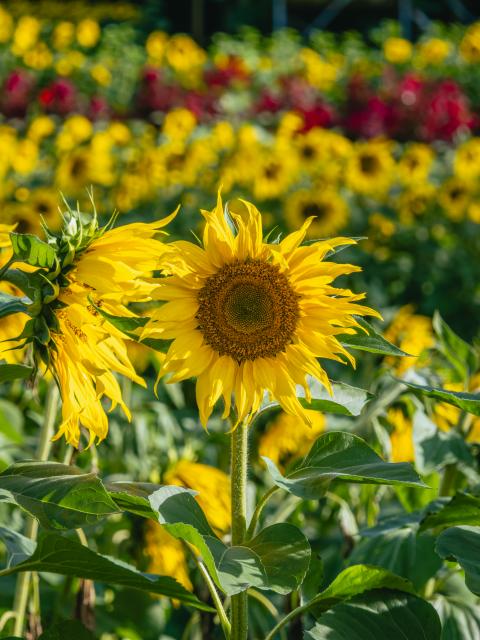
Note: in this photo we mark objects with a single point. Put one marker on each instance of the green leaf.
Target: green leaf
(276, 559)
(126, 324)
(341, 456)
(459, 353)
(133, 497)
(285, 555)
(462, 545)
(379, 614)
(467, 401)
(71, 629)
(11, 422)
(12, 304)
(458, 610)
(370, 340)
(9, 372)
(19, 548)
(463, 508)
(346, 400)
(354, 581)
(395, 545)
(30, 249)
(58, 495)
(56, 554)
(434, 449)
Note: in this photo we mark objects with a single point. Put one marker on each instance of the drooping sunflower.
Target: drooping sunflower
(326, 206)
(86, 349)
(247, 317)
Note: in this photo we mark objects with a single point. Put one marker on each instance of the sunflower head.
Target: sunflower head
(248, 317)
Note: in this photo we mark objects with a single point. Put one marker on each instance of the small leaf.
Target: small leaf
(341, 456)
(467, 401)
(463, 508)
(59, 496)
(370, 340)
(9, 372)
(12, 304)
(56, 554)
(379, 614)
(462, 545)
(354, 581)
(460, 354)
(126, 324)
(434, 449)
(133, 497)
(346, 400)
(30, 249)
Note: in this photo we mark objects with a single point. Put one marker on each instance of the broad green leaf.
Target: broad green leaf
(9, 372)
(379, 614)
(434, 449)
(276, 559)
(458, 610)
(395, 545)
(460, 354)
(133, 497)
(56, 554)
(30, 249)
(12, 304)
(346, 400)
(19, 548)
(370, 340)
(126, 324)
(285, 555)
(58, 495)
(71, 629)
(466, 401)
(463, 508)
(182, 517)
(341, 456)
(354, 581)
(462, 545)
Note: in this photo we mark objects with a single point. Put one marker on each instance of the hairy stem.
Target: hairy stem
(31, 527)
(239, 459)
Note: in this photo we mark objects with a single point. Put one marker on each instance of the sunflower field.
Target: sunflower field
(239, 337)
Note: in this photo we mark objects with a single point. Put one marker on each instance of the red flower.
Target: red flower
(59, 97)
(447, 112)
(16, 94)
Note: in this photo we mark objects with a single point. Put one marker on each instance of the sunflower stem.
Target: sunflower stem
(31, 527)
(239, 460)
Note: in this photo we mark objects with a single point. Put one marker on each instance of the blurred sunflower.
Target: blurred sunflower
(415, 164)
(287, 437)
(10, 326)
(370, 168)
(166, 555)
(467, 160)
(254, 316)
(414, 201)
(274, 171)
(446, 416)
(413, 334)
(74, 172)
(327, 206)
(401, 438)
(454, 196)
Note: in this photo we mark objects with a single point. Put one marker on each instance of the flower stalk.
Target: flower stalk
(239, 461)
(31, 528)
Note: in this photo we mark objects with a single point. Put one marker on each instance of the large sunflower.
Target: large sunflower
(247, 317)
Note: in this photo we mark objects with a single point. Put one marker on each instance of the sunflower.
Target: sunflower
(414, 202)
(455, 196)
(413, 334)
(415, 164)
(370, 168)
(467, 160)
(275, 170)
(74, 171)
(10, 326)
(247, 317)
(327, 206)
(287, 437)
(86, 349)
(401, 438)
(323, 151)
(166, 554)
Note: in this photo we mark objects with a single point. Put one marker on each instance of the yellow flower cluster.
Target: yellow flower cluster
(320, 173)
